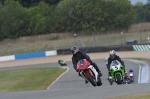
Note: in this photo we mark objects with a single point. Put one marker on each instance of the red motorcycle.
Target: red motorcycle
(88, 72)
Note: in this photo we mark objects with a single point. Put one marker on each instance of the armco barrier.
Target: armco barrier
(7, 58)
(96, 49)
(51, 53)
(28, 55)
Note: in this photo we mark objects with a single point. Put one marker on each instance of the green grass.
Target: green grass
(137, 96)
(28, 79)
(56, 42)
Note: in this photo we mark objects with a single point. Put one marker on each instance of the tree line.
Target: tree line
(33, 17)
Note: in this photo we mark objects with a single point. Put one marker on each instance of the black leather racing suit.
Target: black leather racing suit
(80, 55)
(115, 58)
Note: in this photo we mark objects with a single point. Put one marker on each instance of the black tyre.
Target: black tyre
(132, 79)
(111, 82)
(118, 77)
(99, 83)
(90, 79)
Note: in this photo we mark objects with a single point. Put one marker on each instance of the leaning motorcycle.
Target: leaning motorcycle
(88, 72)
(117, 72)
(62, 62)
(132, 76)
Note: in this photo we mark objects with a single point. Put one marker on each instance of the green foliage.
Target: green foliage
(48, 16)
(37, 21)
(142, 12)
(124, 14)
(13, 19)
(95, 15)
(52, 19)
(52, 2)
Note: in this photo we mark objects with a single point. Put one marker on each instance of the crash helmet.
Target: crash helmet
(112, 54)
(130, 70)
(74, 49)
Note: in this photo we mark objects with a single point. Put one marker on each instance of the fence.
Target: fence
(66, 40)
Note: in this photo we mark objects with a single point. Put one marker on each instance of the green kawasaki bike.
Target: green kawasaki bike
(117, 72)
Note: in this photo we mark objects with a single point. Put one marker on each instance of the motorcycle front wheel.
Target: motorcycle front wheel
(90, 79)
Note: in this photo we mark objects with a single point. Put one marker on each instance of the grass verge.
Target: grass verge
(28, 79)
(137, 96)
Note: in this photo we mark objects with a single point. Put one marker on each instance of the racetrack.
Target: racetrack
(72, 80)
(70, 85)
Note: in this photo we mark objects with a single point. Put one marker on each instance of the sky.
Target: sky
(134, 1)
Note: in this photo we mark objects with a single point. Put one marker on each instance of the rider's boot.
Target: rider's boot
(126, 74)
(109, 75)
(99, 73)
(125, 70)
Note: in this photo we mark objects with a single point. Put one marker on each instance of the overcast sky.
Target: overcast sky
(134, 1)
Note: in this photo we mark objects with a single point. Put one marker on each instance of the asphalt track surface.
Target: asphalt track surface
(71, 86)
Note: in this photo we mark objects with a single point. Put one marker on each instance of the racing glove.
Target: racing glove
(125, 70)
(109, 74)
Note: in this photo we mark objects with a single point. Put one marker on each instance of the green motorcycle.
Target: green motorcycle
(117, 72)
(62, 62)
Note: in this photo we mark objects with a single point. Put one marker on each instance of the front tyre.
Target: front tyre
(90, 79)
(99, 83)
(118, 78)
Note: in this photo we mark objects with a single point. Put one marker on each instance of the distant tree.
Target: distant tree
(142, 12)
(148, 1)
(95, 15)
(30, 3)
(14, 20)
(52, 2)
(2, 2)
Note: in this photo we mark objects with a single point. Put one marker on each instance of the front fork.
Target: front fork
(83, 76)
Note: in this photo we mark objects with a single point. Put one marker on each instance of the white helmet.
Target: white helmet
(112, 54)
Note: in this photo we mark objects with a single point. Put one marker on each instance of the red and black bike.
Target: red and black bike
(88, 72)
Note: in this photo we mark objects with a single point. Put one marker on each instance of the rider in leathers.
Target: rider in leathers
(78, 55)
(112, 57)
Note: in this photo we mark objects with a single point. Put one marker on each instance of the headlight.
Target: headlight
(130, 74)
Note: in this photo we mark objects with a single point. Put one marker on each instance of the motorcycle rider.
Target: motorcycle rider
(78, 55)
(130, 70)
(112, 57)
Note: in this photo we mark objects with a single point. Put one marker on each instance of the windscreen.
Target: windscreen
(81, 62)
(114, 63)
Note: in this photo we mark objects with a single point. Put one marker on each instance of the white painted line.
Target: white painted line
(58, 77)
(143, 71)
(139, 76)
